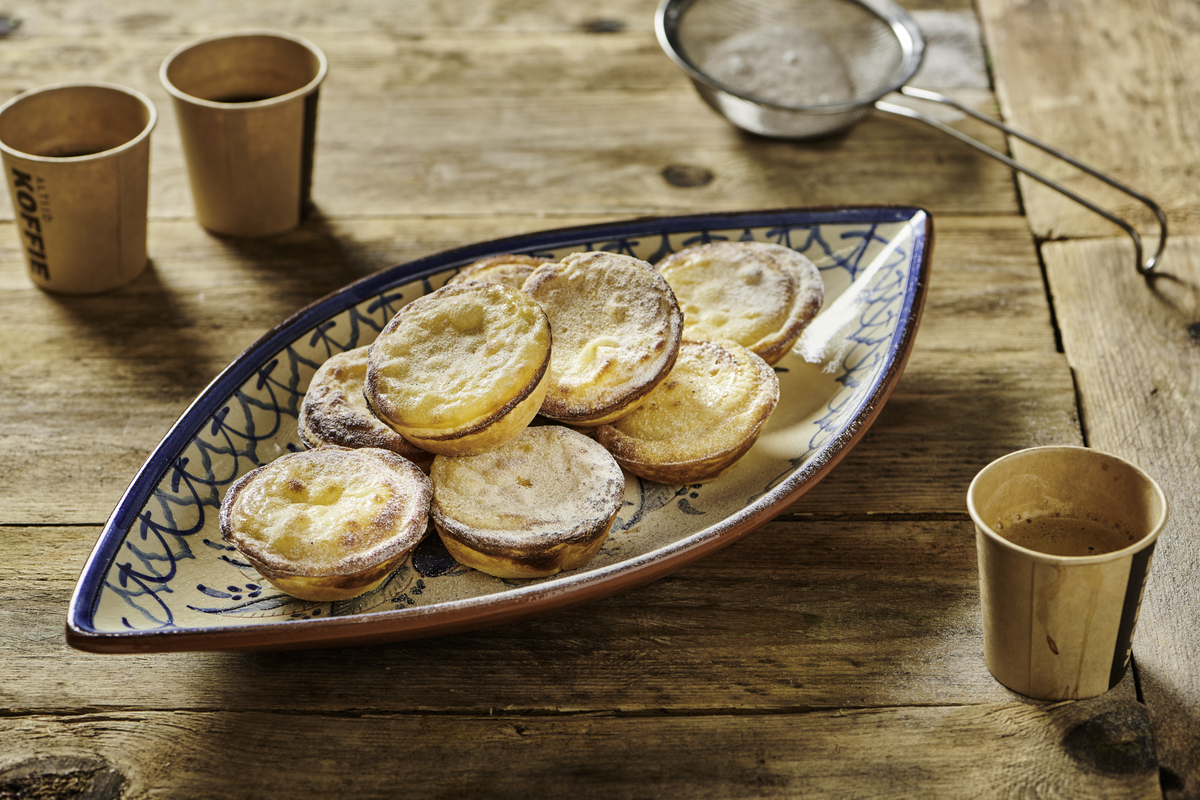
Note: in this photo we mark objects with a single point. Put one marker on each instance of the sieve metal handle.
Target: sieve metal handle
(1145, 268)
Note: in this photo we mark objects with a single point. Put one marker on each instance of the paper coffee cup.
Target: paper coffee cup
(77, 162)
(1065, 536)
(246, 104)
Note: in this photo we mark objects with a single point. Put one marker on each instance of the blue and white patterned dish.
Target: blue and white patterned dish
(160, 578)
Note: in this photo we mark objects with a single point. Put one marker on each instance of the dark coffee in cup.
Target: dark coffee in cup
(1067, 536)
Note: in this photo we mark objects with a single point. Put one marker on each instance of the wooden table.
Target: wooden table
(849, 662)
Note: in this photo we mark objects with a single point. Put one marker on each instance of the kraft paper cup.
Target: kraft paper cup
(247, 110)
(77, 162)
(1060, 627)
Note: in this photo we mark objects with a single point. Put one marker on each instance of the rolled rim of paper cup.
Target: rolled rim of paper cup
(151, 121)
(308, 88)
(1086, 452)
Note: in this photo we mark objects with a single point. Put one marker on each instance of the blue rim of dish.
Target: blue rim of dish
(80, 630)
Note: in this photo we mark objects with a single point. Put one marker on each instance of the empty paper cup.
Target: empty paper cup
(1065, 536)
(77, 161)
(246, 104)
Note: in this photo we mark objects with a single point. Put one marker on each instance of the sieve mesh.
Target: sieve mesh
(792, 68)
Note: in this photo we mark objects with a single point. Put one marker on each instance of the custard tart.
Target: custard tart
(510, 269)
(328, 523)
(699, 421)
(334, 411)
(757, 294)
(617, 330)
(541, 503)
(461, 370)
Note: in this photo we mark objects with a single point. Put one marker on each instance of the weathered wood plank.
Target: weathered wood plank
(585, 123)
(1136, 356)
(785, 643)
(1092, 749)
(420, 17)
(1112, 84)
(417, 158)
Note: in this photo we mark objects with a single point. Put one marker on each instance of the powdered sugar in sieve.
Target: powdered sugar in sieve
(786, 65)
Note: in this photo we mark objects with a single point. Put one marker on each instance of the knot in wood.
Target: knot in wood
(80, 777)
(687, 176)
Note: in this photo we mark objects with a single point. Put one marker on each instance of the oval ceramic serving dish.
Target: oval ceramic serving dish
(160, 578)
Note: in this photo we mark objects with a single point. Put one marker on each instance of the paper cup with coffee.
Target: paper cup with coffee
(1065, 537)
(77, 162)
(246, 104)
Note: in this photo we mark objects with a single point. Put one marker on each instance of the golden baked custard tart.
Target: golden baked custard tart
(700, 420)
(461, 370)
(616, 327)
(758, 294)
(539, 504)
(328, 523)
(335, 412)
(510, 269)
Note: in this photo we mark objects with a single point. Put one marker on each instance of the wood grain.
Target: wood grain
(836, 651)
(1110, 83)
(446, 121)
(1136, 357)
(777, 665)
(148, 18)
(822, 753)
(785, 618)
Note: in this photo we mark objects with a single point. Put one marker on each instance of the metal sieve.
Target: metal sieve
(801, 69)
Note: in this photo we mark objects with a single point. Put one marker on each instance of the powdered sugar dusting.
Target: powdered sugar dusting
(548, 482)
(616, 329)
